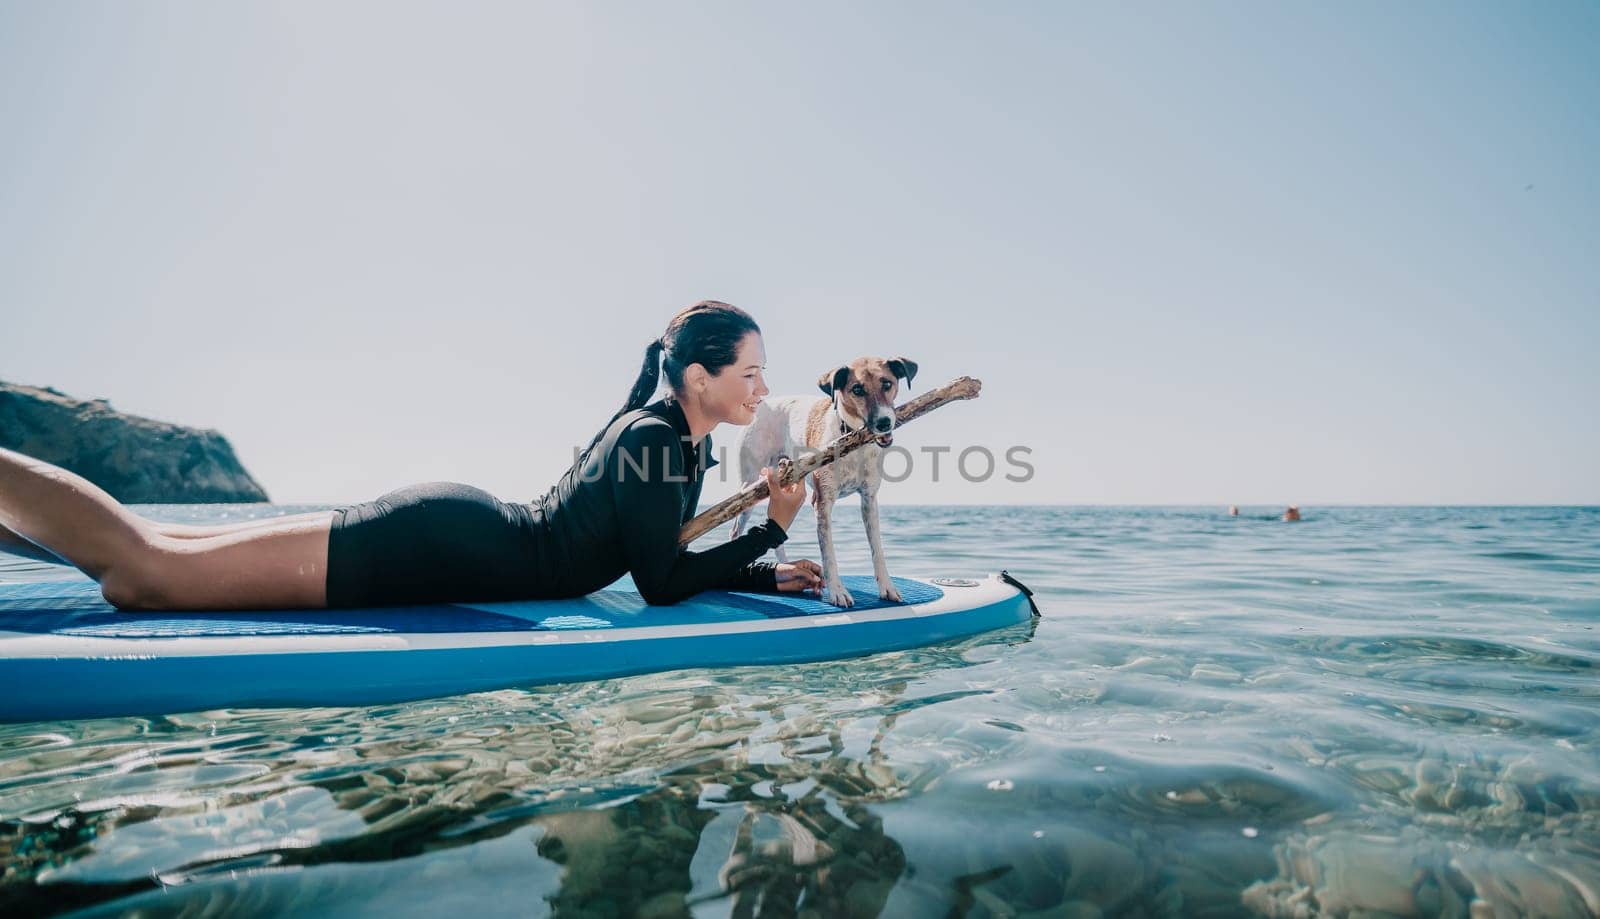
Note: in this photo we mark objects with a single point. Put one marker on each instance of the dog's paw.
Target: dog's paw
(890, 593)
(838, 596)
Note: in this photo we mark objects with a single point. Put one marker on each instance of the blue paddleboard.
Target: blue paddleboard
(65, 653)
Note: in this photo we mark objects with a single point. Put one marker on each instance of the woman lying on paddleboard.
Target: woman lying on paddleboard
(617, 510)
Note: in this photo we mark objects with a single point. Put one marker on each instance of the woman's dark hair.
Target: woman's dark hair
(707, 334)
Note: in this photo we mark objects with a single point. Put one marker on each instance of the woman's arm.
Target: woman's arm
(647, 479)
(756, 577)
(785, 577)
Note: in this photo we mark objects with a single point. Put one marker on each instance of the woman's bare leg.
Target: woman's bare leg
(203, 531)
(282, 566)
(16, 545)
(276, 567)
(68, 515)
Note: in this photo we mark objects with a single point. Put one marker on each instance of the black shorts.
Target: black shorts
(433, 543)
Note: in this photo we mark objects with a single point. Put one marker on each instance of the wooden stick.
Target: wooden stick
(720, 513)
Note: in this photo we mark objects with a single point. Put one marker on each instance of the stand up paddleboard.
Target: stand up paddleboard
(65, 653)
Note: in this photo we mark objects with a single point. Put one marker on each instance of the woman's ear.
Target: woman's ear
(696, 378)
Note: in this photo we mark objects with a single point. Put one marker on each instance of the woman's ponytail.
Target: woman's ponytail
(643, 388)
(649, 379)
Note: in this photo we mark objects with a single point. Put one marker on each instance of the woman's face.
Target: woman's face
(733, 394)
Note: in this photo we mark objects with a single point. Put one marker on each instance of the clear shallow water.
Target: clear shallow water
(1374, 711)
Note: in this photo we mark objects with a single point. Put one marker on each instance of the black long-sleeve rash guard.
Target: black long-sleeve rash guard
(620, 506)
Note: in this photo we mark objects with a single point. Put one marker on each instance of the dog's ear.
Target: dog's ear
(904, 368)
(832, 380)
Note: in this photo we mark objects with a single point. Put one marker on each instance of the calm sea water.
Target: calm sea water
(1374, 711)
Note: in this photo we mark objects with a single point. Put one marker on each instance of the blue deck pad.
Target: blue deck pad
(620, 604)
(863, 589)
(75, 607)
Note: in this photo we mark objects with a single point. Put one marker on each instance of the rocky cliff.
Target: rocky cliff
(137, 460)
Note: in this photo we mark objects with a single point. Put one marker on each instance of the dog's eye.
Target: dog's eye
(858, 390)
(886, 385)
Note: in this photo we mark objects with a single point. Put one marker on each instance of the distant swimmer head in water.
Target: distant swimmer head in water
(715, 363)
(1293, 513)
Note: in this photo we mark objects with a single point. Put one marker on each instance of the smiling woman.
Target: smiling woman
(614, 512)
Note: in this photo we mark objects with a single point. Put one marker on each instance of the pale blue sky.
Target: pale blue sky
(1256, 253)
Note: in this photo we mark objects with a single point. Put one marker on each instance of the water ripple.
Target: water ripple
(1379, 710)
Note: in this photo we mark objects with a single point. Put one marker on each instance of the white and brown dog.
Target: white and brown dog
(862, 394)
